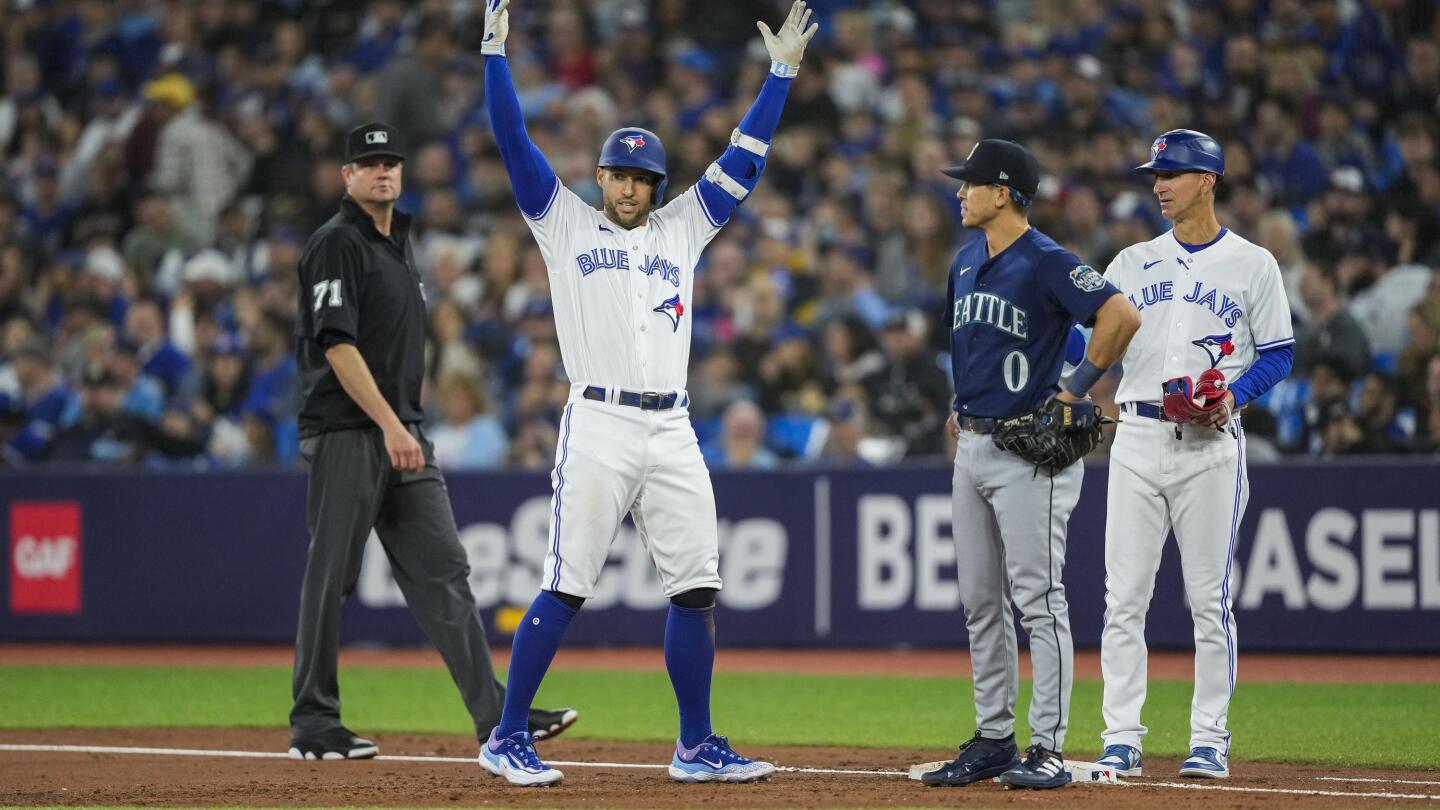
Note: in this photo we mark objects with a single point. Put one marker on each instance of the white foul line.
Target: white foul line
(1287, 791)
(1381, 781)
(196, 752)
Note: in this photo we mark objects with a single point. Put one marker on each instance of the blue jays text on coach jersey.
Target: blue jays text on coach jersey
(1201, 306)
(1009, 319)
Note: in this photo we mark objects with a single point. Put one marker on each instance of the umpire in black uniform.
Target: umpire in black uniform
(361, 354)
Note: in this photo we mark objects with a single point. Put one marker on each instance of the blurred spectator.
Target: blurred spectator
(1332, 332)
(844, 427)
(851, 353)
(408, 90)
(911, 396)
(1330, 427)
(468, 436)
(846, 286)
(741, 443)
(101, 431)
(1423, 328)
(44, 401)
(274, 386)
(154, 236)
(1284, 160)
(1278, 233)
(198, 165)
(145, 329)
(1385, 427)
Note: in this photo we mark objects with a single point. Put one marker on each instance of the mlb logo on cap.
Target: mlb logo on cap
(373, 139)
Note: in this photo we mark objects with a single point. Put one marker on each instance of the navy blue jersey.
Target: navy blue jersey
(1009, 319)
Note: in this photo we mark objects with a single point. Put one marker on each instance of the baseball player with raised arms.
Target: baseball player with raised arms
(621, 283)
(1014, 294)
(1212, 305)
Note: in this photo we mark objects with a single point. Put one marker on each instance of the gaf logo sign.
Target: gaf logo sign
(45, 558)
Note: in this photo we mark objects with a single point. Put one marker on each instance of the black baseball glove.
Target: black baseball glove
(1054, 435)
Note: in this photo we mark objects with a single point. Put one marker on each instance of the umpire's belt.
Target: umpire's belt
(644, 400)
(1145, 409)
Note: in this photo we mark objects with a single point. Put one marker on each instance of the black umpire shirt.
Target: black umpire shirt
(361, 287)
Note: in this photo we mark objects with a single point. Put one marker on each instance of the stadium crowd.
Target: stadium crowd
(164, 161)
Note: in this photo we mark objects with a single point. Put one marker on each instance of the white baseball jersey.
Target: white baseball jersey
(620, 300)
(620, 297)
(1215, 307)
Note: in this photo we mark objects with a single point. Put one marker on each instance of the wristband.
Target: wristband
(1084, 378)
(783, 70)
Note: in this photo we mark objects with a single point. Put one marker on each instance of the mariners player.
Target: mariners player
(1212, 305)
(621, 282)
(1014, 295)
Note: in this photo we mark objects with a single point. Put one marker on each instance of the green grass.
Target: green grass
(1346, 725)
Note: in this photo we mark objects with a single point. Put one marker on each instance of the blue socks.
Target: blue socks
(536, 641)
(690, 660)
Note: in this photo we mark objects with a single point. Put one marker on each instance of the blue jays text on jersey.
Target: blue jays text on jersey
(1222, 306)
(613, 259)
(1009, 319)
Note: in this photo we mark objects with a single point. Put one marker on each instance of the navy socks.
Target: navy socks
(690, 660)
(536, 641)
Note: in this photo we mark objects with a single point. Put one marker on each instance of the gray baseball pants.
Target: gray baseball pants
(1009, 528)
(352, 490)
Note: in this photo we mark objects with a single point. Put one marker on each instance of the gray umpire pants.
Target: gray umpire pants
(1009, 528)
(353, 489)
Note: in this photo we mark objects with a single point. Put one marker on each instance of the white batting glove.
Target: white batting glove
(787, 47)
(497, 26)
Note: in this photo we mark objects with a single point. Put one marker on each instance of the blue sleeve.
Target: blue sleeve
(531, 177)
(1272, 366)
(740, 164)
(1075, 287)
(1075, 345)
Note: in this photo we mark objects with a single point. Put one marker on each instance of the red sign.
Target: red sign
(45, 557)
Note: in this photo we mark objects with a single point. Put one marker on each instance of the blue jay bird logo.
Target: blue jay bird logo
(672, 309)
(633, 142)
(1218, 347)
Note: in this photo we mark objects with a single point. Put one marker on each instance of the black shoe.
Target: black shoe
(1041, 770)
(339, 743)
(545, 724)
(980, 758)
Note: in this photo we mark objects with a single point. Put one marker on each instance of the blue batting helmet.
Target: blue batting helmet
(1184, 150)
(636, 148)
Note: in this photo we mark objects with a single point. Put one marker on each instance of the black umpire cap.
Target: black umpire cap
(372, 139)
(997, 162)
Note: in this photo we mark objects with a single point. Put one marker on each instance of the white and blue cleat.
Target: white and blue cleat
(1123, 759)
(1206, 763)
(713, 760)
(513, 759)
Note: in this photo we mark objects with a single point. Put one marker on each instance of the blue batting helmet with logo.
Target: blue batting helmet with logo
(636, 148)
(1184, 150)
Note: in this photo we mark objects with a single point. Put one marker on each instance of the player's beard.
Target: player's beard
(628, 221)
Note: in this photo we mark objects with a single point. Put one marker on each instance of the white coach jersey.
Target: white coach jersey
(621, 297)
(1215, 308)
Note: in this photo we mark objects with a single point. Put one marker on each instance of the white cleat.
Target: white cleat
(514, 760)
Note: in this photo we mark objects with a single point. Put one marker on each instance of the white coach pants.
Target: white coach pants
(1197, 486)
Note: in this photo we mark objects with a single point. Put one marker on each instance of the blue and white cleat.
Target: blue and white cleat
(514, 759)
(1124, 759)
(1206, 763)
(713, 760)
